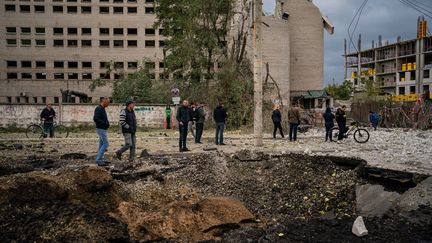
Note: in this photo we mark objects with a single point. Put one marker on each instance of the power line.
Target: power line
(423, 4)
(420, 7)
(358, 20)
(356, 16)
(409, 4)
(349, 27)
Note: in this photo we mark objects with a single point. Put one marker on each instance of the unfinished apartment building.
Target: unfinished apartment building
(402, 69)
(48, 45)
(293, 49)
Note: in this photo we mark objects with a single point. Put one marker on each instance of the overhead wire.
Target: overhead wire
(427, 13)
(417, 8)
(420, 7)
(423, 4)
(355, 18)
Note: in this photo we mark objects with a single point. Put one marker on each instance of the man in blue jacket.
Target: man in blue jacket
(374, 119)
(102, 124)
(129, 126)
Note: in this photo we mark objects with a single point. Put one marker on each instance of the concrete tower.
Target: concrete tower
(306, 28)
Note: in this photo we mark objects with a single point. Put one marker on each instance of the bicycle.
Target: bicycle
(36, 131)
(360, 135)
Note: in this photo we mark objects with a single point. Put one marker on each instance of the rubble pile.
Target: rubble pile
(277, 186)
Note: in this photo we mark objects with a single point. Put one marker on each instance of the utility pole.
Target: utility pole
(258, 65)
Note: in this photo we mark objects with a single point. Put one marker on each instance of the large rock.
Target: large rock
(201, 220)
(372, 200)
(218, 211)
(359, 228)
(417, 196)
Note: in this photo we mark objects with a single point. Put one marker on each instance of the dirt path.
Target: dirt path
(397, 149)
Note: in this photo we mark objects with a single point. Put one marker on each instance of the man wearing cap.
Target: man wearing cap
(129, 126)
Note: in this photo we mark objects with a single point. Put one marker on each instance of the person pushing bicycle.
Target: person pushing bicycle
(47, 116)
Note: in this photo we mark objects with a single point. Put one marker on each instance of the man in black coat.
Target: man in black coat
(129, 127)
(277, 119)
(219, 116)
(47, 116)
(329, 123)
(200, 119)
(183, 117)
(341, 121)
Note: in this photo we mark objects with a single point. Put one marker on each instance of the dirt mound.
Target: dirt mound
(37, 206)
(85, 206)
(32, 163)
(188, 220)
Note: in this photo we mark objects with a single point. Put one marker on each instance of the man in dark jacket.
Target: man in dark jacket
(329, 123)
(294, 121)
(341, 121)
(183, 117)
(47, 116)
(129, 126)
(277, 119)
(220, 115)
(200, 119)
(102, 124)
(193, 116)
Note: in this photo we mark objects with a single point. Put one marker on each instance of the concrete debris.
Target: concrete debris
(359, 228)
(372, 200)
(417, 196)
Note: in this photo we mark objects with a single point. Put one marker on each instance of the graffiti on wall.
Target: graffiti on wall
(74, 114)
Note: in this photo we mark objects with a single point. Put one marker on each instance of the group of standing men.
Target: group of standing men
(186, 115)
(293, 119)
(189, 114)
(294, 122)
(329, 118)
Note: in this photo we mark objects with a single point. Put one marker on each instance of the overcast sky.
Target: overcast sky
(390, 18)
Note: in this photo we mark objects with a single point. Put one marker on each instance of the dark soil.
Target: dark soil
(295, 198)
(392, 228)
(58, 221)
(278, 187)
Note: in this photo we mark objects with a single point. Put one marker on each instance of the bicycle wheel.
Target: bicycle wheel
(61, 131)
(334, 133)
(361, 135)
(34, 131)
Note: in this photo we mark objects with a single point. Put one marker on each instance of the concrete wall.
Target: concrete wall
(276, 52)
(151, 116)
(306, 29)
